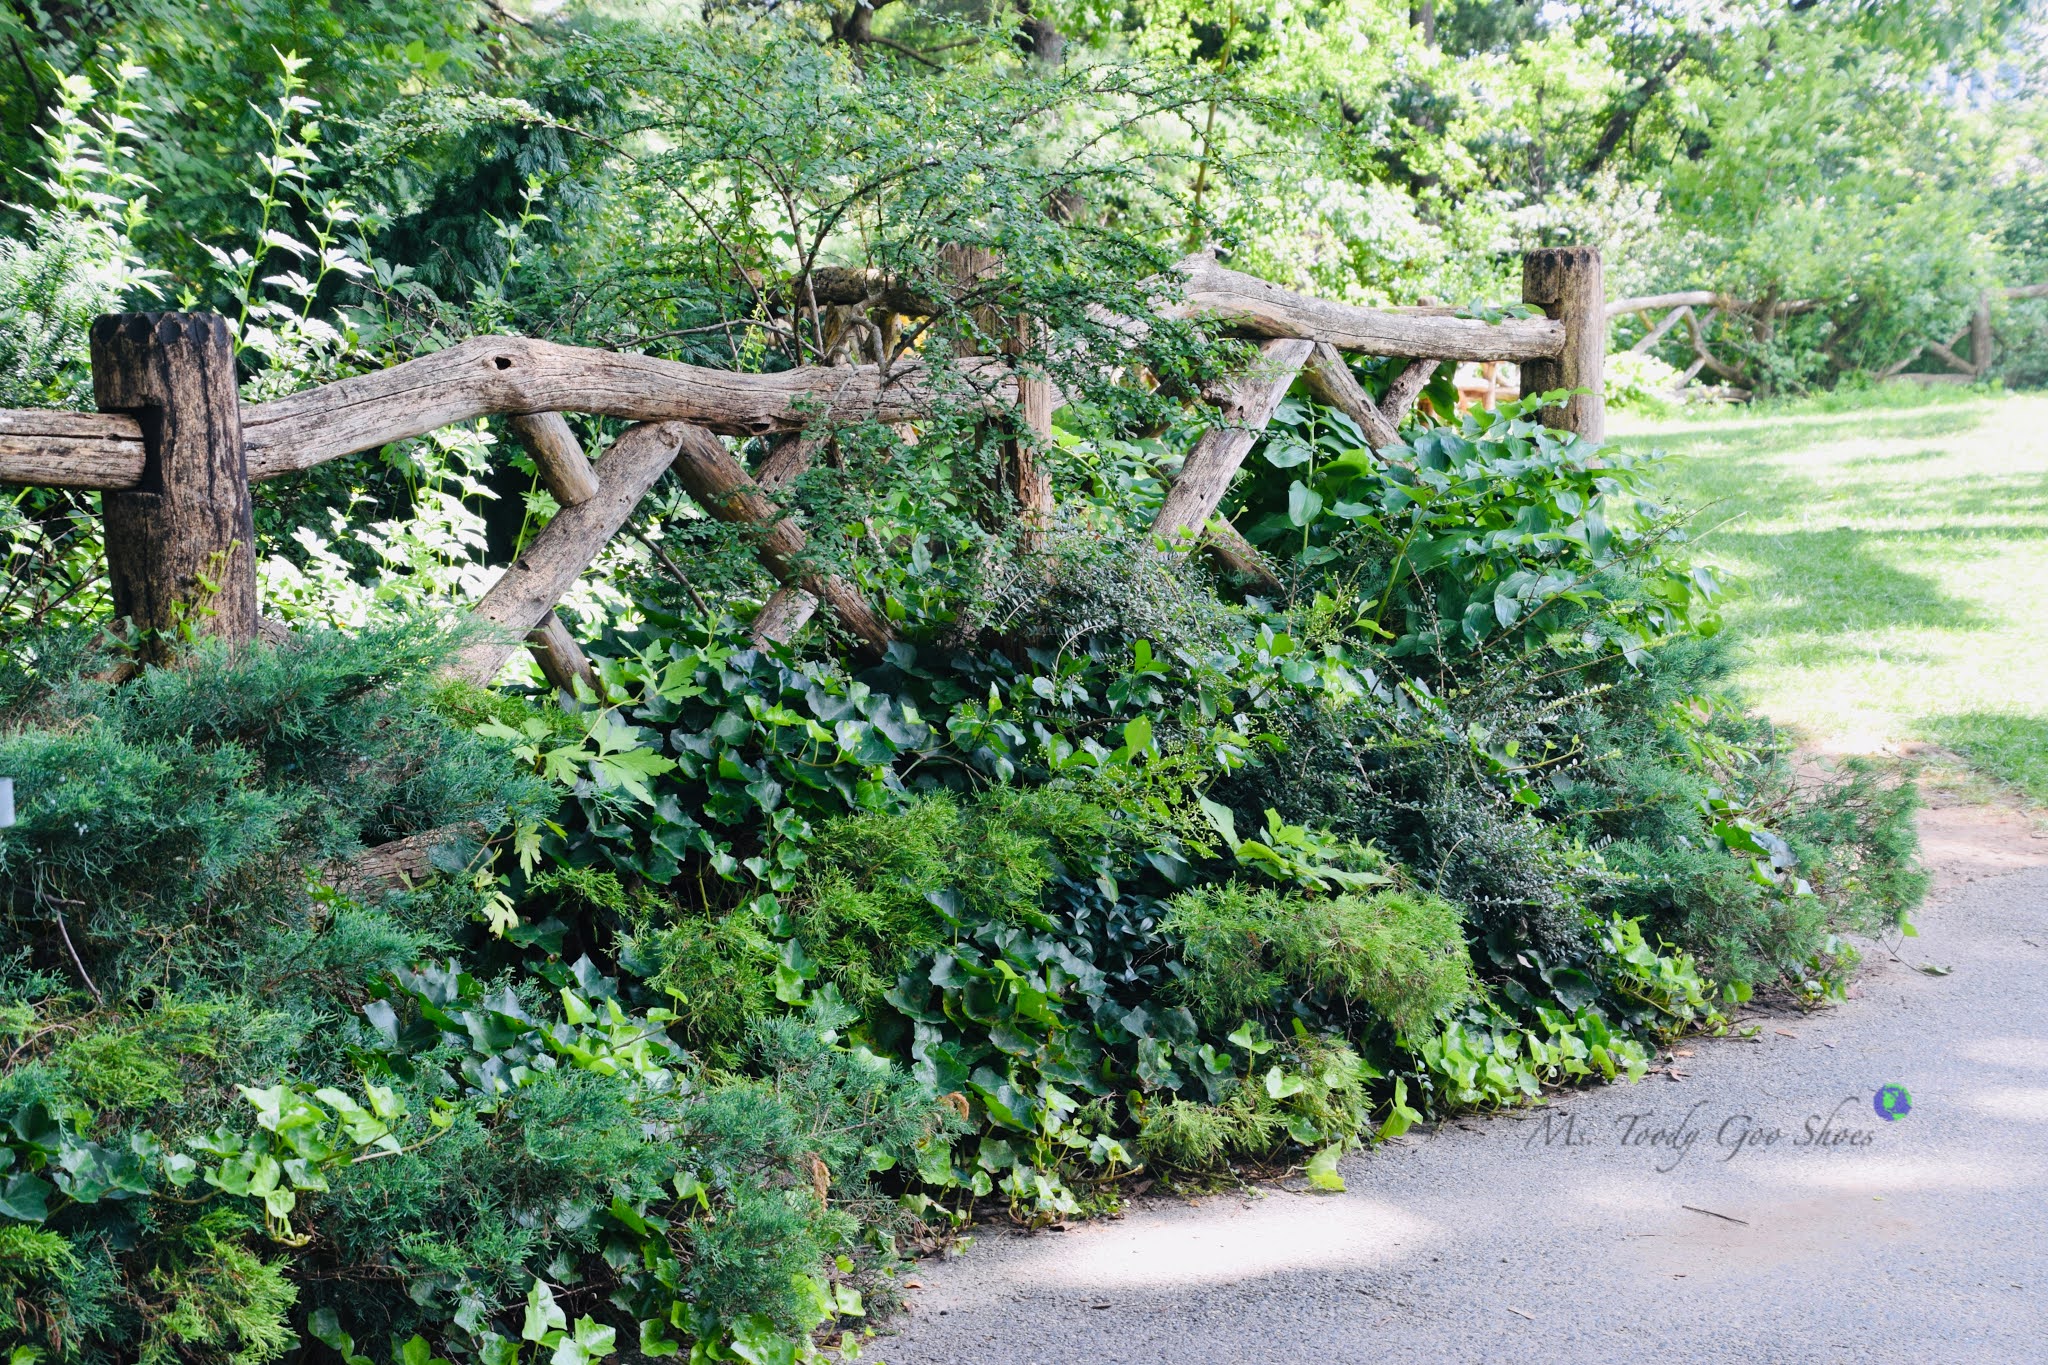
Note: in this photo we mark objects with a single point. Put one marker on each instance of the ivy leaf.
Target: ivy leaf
(1322, 1168)
(26, 1198)
(590, 1341)
(1281, 1083)
(655, 1341)
(543, 1314)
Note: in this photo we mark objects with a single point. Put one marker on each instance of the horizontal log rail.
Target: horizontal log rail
(1707, 298)
(488, 377)
(524, 378)
(175, 455)
(1248, 304)
(71, 449)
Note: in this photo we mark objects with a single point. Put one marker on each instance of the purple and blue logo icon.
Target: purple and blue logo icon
(1892, 1103)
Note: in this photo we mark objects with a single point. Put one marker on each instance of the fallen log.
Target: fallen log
(395, 865)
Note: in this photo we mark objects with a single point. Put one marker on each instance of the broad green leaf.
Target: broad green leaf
(1322, 1169)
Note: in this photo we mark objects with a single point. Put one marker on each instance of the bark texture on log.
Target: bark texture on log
(181, 545)
(1707, 298)
(490, 376)
(723, 488)
(1662, 329)
(1252, 305)
(1568, 284)
(1206, 473)
(562, 661)
(536, 580)
(1331, 381)
(790, 460)
(1023, 455)
(1406, 388)
(393, 866)
(787, 611)
(71, 449)
(564, 468)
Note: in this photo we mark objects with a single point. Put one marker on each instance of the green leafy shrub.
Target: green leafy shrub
(1399, 954)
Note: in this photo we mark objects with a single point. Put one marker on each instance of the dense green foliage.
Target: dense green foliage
(750, 966)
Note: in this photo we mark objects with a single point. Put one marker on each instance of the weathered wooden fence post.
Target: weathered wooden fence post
(181, 546)
(1023, 474)
(1567, 284)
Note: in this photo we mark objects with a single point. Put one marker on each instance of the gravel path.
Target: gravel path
(1564, 1234)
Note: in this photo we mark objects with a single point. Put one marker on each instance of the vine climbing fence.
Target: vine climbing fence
(174, 451)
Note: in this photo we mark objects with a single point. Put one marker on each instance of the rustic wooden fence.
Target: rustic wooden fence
(173, 450)
(1696, 310)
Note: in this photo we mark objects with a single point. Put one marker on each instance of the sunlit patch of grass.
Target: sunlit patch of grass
(1890, 552)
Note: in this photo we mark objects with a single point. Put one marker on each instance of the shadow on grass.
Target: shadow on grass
(1775, 435)
(2012, 748)
(1834, 582)
(1909, 457)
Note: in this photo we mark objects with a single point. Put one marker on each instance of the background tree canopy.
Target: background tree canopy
(1878, 157)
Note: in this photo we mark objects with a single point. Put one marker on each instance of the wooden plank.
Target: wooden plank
(70, 449)
(493, 376)
(181, 544)
(1206, 473)
(1255, 306)
(536, 580)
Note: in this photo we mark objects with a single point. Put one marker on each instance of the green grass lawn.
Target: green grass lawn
(1890, 556)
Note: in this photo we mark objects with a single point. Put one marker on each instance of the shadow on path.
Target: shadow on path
(1588, 1232)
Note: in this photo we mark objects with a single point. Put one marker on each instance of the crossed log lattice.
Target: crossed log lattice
(173, 450)
(1683, 308)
